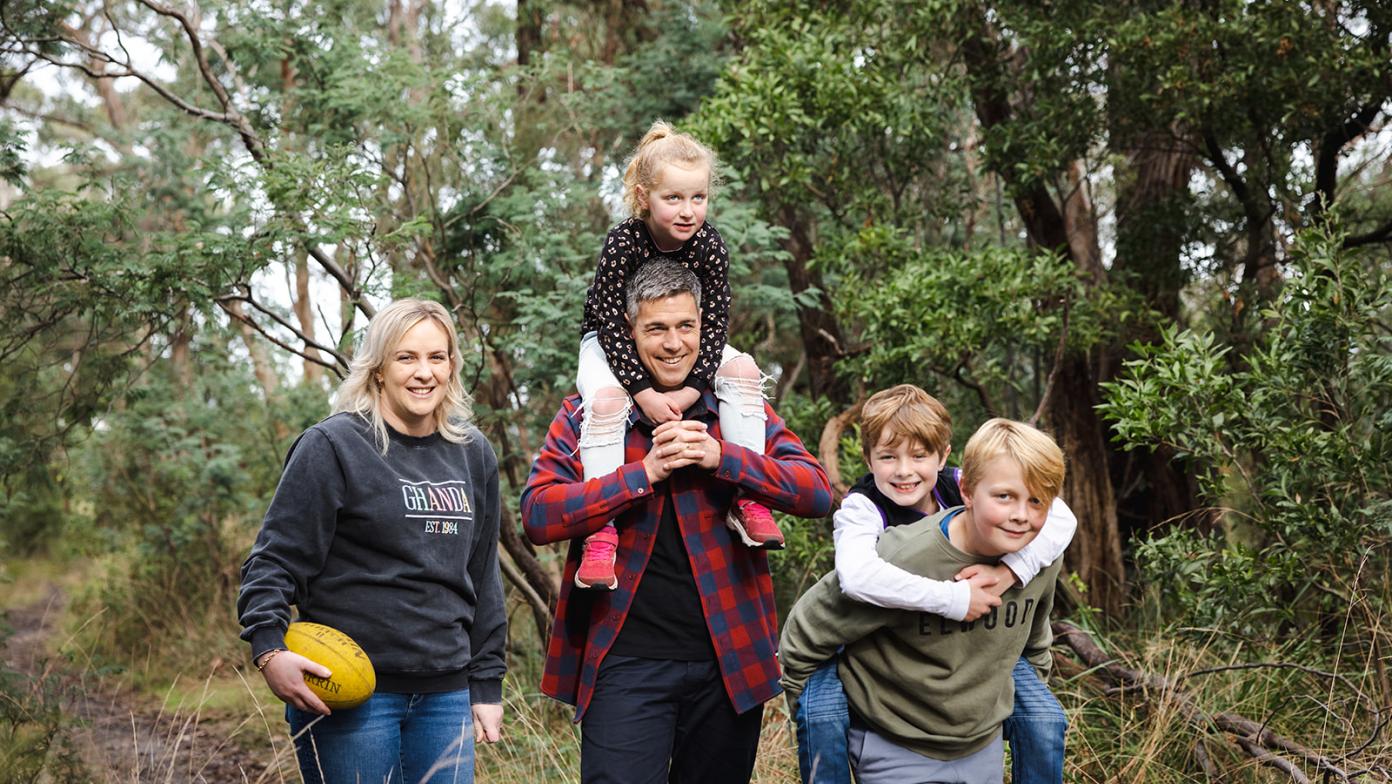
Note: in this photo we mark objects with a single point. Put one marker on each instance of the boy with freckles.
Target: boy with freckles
(929, 695)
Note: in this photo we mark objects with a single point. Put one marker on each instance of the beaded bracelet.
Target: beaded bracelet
(266, 658)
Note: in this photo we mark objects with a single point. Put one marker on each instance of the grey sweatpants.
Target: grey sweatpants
(877, 760)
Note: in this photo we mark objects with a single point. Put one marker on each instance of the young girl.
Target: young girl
(666, 188)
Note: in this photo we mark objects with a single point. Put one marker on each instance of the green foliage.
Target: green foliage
(832, 105)
(12, 149)
(982, 317)
(1294, 448)
(34, 744)
(175, 478)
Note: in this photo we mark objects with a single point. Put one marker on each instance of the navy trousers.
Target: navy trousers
(654, 720)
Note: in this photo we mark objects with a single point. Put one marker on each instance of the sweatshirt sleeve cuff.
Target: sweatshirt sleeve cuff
(958, 601)
(489, 692)
(638, 386)
(267, 638)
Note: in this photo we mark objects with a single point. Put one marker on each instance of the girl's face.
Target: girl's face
(676, 203)
(414, 379)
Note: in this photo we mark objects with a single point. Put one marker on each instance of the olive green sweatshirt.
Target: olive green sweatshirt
(939, 687)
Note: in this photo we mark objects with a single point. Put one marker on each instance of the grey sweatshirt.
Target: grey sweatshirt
(398, 551)
(939, 687)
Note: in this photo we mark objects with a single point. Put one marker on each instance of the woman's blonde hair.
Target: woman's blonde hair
(662, 145)
(1040, 459)
(361, 392)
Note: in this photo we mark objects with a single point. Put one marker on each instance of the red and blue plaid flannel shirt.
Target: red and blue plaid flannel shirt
(732, 579)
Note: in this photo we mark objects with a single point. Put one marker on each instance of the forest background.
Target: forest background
(1161, 229)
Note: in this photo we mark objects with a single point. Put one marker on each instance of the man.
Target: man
(669, 672)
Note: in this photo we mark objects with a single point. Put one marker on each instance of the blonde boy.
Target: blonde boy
(930, 694)
(906, 438)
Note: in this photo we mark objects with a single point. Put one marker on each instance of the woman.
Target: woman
(385, 527)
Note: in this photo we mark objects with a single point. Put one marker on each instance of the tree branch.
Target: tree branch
(1382, 233)
(829, 446)
(987, 402)
(336, 367)
(1257, 740)
(1333, 142)
(1054, 371)
(1214, 153)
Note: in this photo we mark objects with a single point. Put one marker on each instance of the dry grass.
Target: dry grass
(1144, 737)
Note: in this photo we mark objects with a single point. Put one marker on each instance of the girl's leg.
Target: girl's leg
(605, 407)
(743, 419)
(823, 719)
(360, 744)
(1035, 729)
(437, 739)
(740, 389)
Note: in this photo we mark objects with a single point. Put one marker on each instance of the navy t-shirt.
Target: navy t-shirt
(666, 620)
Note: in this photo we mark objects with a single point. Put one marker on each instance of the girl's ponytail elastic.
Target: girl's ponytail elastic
(658, 130)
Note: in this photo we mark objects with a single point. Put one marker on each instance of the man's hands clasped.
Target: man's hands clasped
(677, 445)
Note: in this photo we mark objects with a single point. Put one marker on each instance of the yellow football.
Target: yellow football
(352, 680)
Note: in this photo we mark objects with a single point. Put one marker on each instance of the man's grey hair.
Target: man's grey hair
(660, 279)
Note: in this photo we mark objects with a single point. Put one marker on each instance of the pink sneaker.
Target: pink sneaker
(755, 525)
(597, 560)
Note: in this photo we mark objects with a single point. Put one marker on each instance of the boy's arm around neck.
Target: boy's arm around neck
(865, 576)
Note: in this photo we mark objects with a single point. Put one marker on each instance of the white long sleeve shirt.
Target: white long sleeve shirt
(866, 577)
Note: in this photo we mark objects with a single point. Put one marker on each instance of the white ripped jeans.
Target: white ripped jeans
(606, 406)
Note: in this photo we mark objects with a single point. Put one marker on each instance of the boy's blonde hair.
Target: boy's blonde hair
(662, 145)
(905, 411)
(361, 392)
(1040, 459)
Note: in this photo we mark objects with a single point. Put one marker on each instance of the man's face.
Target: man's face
(667, 333)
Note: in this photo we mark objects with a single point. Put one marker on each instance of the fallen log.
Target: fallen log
(1254, 738)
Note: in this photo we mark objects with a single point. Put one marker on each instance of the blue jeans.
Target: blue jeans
(823, 719)
(1035, 729)
(404, 738)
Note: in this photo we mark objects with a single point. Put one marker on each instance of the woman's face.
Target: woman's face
(414, 379)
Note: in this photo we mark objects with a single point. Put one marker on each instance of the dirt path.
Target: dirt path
(117, 740)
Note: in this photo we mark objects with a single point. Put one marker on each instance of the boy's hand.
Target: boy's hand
(1005, 579)
(657, 406)
(982, 599)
